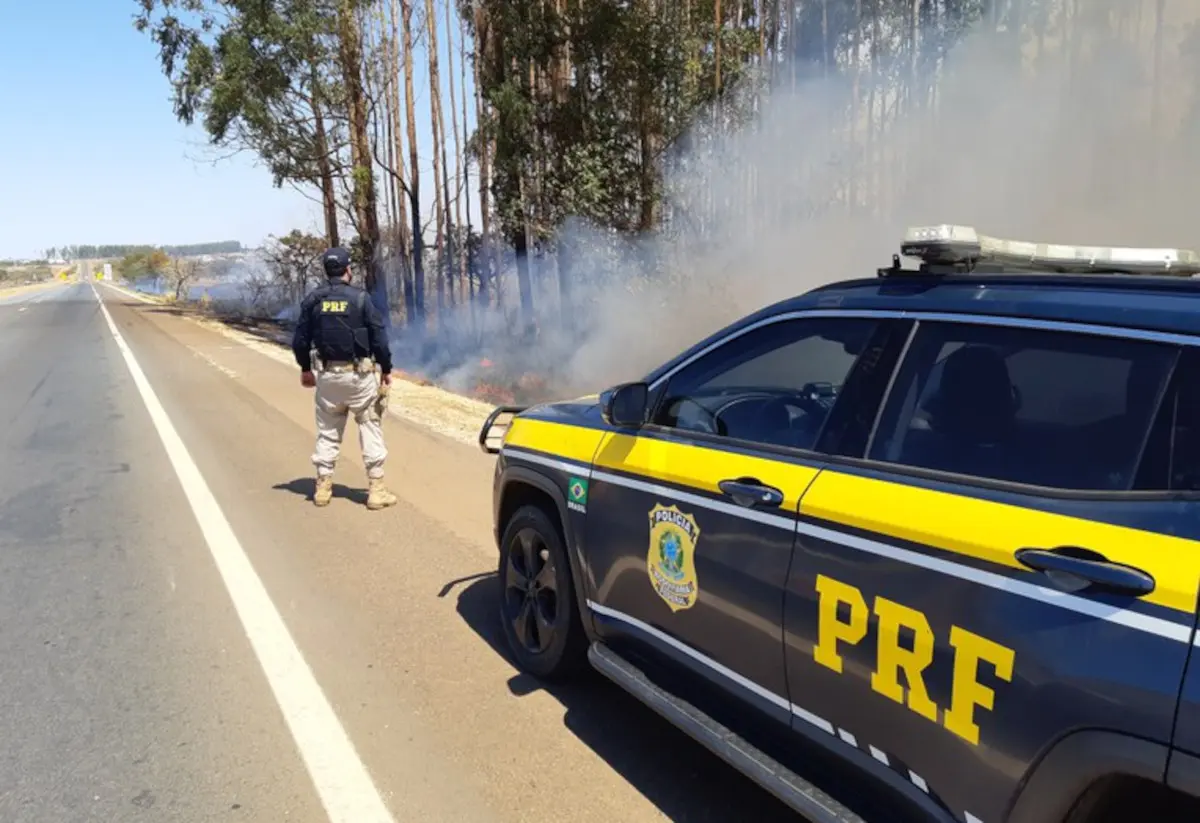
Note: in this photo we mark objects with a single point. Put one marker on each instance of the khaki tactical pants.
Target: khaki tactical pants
(339, 394)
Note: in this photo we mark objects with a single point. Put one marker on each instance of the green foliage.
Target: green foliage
(294, 261)
(146, 261)
(301, 246)
(606, 110)
(157, 261)
(255, 74)
(587, 97)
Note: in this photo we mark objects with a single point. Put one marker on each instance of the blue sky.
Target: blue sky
(91, 152)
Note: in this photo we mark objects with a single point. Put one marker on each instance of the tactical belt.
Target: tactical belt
(365, 366)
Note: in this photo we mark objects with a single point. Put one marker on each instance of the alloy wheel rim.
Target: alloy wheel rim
(531, 591)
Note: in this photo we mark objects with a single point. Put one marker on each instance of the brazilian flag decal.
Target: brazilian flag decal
(577, 494)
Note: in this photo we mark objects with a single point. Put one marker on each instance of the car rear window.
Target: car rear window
(1028, 406)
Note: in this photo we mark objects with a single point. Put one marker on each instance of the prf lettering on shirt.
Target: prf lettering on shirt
(334, 306)
(838, 600)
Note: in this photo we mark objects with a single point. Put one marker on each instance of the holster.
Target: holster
(381, 399)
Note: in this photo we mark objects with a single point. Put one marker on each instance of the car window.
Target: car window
(1184, 409)
(1171, 459)
(774, 385)
(1027, 406)
(1078, 394)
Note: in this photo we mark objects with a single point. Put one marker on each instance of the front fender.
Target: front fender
(510, 478)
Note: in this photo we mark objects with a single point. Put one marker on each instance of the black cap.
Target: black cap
(336, 261)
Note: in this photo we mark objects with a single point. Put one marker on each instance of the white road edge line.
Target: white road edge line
(228, 372)
(127, 292)
(338, 774)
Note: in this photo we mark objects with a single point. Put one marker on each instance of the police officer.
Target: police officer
(339, 321)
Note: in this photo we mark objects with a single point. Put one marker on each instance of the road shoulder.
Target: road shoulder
(417, 402)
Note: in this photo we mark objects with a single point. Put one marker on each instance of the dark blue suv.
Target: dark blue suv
(918, 547)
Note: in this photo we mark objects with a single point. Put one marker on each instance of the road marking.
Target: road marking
(128, 293)
(228, 372)
(338, 774)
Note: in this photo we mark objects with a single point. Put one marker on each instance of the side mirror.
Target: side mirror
(624, 406)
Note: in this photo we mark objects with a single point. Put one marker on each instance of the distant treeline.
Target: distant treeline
(91, 252)
(24, 272)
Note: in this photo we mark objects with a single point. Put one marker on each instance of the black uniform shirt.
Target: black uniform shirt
(342, 324)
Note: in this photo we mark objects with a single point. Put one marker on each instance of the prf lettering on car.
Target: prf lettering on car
(334, 306)
(838, 600)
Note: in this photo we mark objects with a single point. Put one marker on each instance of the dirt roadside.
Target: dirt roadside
(430, 407)
(7, 291)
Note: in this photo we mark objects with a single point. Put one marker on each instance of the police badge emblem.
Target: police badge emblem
(671, 558)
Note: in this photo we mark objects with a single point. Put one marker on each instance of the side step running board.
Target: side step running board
(797, 793)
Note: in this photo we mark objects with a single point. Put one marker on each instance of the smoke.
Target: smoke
(1060, 140)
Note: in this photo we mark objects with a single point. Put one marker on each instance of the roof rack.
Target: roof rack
(950, 249)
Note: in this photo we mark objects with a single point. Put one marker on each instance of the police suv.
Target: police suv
(917, 547)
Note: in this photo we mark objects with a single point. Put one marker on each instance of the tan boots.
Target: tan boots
(324, 492)
(378, 495)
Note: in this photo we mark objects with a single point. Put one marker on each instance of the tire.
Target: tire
(538, 608)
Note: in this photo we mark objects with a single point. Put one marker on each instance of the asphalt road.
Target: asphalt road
(183, 637)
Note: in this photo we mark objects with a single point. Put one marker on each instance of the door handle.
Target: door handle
(750, 492)
(1074, 569)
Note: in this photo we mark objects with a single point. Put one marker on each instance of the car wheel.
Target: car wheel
(538, 609)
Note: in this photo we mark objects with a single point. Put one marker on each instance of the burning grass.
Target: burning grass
(486, 379)
(493, 385)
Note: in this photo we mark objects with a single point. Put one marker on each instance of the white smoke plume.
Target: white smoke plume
(1052, 154)
(1049, 141)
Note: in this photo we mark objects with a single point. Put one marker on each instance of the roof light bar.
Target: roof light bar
(964, 246)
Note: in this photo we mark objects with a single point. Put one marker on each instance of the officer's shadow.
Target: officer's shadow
(306, 486)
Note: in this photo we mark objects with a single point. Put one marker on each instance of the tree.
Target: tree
(350, 58)
(145, 261)
(505, 33)
(481, 146)
(414, 183)
(459, 249)
(157, 262)
(259, 76)
(386, 64)
(181, 273)
(441, 194)
(294, 260)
